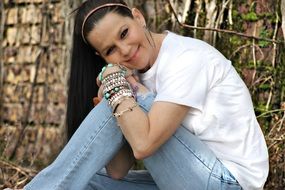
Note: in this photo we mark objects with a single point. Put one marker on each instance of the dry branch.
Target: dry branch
(220, 30)
(25, 171)
(14, 175)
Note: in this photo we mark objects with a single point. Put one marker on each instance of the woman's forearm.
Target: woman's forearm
(119, 166)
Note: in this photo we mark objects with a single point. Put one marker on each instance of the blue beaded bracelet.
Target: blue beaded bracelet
(103, 70)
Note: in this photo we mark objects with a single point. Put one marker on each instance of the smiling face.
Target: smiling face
(120, 39)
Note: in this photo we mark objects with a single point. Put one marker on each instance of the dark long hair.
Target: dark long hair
(85, 63)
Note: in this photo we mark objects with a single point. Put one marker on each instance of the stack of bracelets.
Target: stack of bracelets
(116, 89)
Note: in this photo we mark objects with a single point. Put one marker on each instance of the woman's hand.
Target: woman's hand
(138, 87)
(131, 78)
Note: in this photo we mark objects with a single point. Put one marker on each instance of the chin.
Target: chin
(136, 66)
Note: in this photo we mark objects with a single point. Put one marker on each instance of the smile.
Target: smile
(134, 56)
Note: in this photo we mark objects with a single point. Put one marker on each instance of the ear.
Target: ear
(138, 16)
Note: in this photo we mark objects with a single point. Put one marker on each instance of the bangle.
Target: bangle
(117, 115)
(123, 93)
(118, 76)
(119, 101)
(115, 86)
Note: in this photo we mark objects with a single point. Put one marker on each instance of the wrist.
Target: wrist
(109, 69)
(127, 105)
(116, 88)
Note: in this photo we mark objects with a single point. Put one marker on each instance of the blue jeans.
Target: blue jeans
(183, 162)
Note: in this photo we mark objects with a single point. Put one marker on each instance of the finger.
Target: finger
(100, 92)
(131, 79)
(96, 100)
(136, 78)
(98, 82)
(128, 71)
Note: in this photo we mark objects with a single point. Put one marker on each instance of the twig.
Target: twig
(281, 122)
(282, 138)
(262, 79)
(283, 17)
(253, 55)
(272, 129)
(273, 60)
(269, 112)
(220, 30)
(245, 46)
(273, 38)
(231, 13)
(24, 171)
(17, 175)
(272, 144)
(238, 49)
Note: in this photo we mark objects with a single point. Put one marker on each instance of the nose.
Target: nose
(124, 48)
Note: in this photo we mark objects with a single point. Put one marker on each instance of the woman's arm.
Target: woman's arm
(147, 132)
(119, 166)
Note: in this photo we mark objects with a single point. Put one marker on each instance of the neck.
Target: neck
(145, 69)
(157, 40)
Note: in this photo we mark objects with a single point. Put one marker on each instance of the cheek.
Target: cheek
(138, 35)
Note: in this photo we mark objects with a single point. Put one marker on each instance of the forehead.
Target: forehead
(106, 29)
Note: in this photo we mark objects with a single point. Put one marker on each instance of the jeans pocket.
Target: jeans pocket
(222, 179)
(227, 176)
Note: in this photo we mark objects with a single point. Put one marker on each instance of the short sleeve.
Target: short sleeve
(184, 80)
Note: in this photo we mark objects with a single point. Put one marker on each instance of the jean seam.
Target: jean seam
(79, 156)
(209, 178)
(225, 180)
(187, 147)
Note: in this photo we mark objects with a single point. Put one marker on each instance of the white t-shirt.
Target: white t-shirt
(191, 72)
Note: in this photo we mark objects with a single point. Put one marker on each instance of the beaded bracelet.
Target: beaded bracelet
(119, 75)
(111, 86)
(103, 70)
(124, 93)
(122, 69)
(116, 91)
(116, 88)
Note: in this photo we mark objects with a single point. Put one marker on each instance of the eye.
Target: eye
(110, 50)
(124, 33)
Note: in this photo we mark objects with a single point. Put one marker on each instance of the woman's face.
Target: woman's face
(122, 40)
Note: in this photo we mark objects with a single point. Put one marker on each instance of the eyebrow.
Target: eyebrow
(118, 34)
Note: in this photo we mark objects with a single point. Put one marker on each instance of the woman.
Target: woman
(174, 102)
